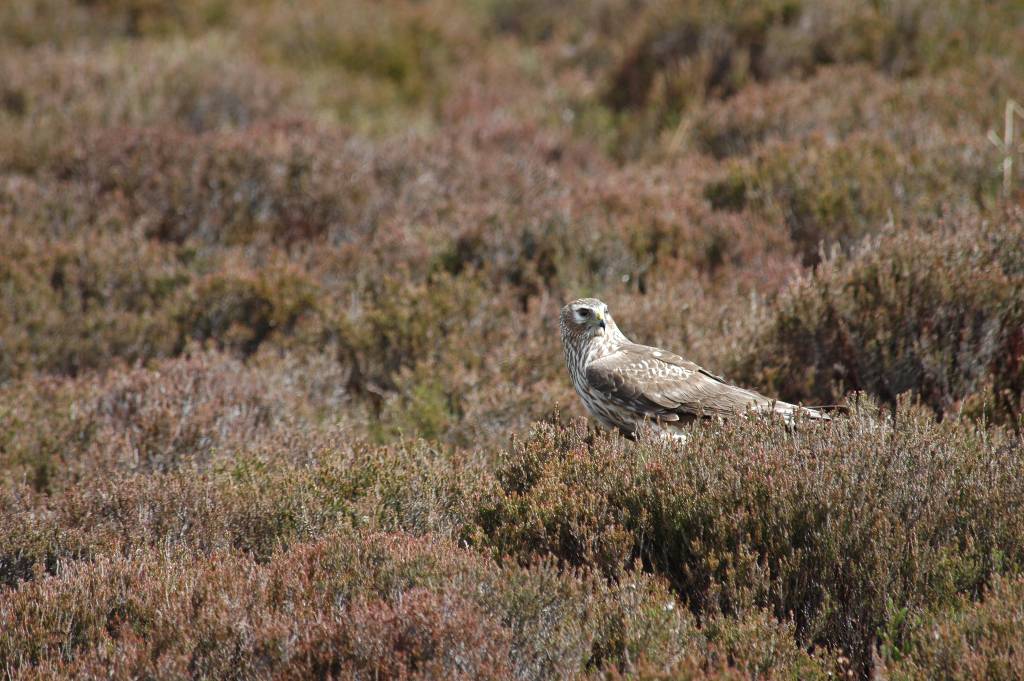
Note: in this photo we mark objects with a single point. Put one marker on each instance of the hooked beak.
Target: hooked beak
(600, 319)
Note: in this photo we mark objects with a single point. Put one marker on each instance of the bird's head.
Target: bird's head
(585, 319)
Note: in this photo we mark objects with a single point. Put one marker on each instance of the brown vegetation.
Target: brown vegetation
(281, 390)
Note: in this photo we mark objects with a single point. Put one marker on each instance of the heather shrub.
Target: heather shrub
(135, 18)
(969, 640)
(66, 22)
(929, 115)
(198, 455)
(835, 194)
(56, 98)
(543, 226)
(87, 303)
(408, 324)
(251, 502)
(696, 48)
(281, 387)
(437, 636)
(934, 312)
(175, 413)
(376, 67)
(349, 605)
(199, 86)
(270, 182)
(74, 305)
(859, 99)
(683, 53)
(750, 515)
(240, 312)
(402, 44)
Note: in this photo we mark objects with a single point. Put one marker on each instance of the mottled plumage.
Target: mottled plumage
(624, 384)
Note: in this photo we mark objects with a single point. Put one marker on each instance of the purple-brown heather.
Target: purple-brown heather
(282, 394)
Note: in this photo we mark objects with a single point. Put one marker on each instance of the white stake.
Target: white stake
(1005, 145)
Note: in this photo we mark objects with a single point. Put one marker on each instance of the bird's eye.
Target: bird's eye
(584, 312)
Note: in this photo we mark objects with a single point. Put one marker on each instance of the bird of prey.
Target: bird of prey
(624, 384)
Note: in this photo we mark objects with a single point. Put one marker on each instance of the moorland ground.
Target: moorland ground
(281, 388)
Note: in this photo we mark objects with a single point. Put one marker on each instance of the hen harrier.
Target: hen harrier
(624, 384)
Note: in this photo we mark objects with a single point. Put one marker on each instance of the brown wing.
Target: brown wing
(662, 385)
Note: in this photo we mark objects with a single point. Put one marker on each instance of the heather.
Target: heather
(281, 388)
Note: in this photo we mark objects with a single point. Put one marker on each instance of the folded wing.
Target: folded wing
(661, 385)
